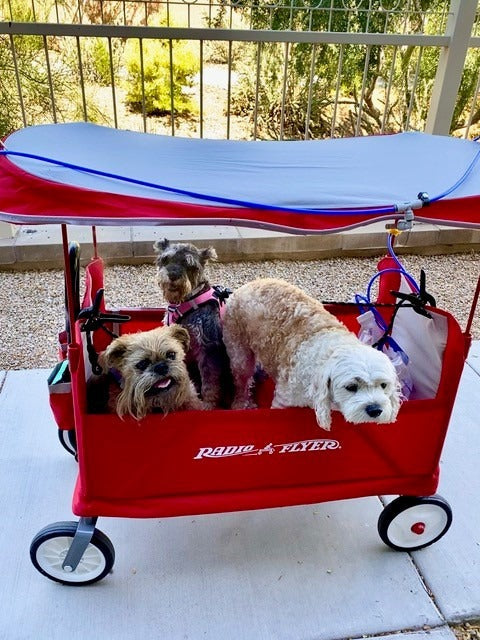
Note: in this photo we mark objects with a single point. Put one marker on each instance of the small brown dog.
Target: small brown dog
(146, 372)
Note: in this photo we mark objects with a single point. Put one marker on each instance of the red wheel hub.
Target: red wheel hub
(418, 528)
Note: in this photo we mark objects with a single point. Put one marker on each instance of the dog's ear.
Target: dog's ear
(322, 400)
(180, 334)
(161, 245)
(208, 254)
(396, 400)
(113, 354)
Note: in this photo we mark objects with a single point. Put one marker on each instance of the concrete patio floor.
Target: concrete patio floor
(317, 572)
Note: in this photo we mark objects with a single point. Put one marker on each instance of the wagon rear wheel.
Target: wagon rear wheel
(51, 545)
(409, 522)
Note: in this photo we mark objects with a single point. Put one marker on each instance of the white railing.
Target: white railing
(242, 77)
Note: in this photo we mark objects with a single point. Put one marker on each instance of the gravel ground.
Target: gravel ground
(32, 302)
(467, 631)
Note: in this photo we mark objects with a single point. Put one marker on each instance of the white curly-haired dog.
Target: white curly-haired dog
(313, 358)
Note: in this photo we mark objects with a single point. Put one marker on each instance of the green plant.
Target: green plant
(168, 72)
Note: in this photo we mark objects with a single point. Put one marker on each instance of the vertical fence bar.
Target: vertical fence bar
(229, 87)
(414, 86)
(17, 79)
(49, 76)
(472, 109)
(201, 90)
(310, 92)
(82, 81)
(284, 90)
(337, 89)
(388, 90)
(405, 17)
(369, 12)
(142, 82)
(330, 16)
(172, 98)
(362, 94)
(112, 78)
(290, 18)
(257, 85)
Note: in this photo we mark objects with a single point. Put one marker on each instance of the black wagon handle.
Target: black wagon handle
(94, 320)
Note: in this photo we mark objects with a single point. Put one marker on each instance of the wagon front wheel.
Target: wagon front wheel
(409, 523)
(68, 440)
(49, 549)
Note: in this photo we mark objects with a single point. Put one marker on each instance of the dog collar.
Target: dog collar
(176, 311)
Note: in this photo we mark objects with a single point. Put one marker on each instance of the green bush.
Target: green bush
(159, 81)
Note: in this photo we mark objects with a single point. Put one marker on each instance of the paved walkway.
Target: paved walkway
(300, 573)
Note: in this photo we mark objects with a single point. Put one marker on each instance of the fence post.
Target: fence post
(450, 66)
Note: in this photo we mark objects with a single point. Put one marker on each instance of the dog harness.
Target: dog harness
(215, 293)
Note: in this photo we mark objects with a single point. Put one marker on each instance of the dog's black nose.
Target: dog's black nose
(373, 410)
(161, 368)
(174, 272)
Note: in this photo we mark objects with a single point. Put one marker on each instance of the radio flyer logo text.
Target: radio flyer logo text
(302, 446)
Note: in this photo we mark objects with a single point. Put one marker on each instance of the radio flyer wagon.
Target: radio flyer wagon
(192, 462)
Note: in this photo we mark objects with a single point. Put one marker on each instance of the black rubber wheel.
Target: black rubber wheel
(49, 548)
(409, 523)
(68, 440)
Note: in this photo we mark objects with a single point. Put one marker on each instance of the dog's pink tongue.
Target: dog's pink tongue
(162, 384)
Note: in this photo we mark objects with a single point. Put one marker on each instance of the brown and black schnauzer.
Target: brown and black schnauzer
(197, 306)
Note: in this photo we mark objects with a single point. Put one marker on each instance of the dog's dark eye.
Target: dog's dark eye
(142, 365)
(383, 385)
(171, 355)
(353, 388)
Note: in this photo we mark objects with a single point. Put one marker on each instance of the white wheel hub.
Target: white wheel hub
(51, 554)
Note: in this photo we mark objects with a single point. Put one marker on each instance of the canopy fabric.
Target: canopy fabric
(250, 183)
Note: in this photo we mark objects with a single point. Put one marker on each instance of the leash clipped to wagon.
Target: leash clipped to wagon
(96, 319)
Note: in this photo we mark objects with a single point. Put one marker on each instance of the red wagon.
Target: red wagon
(183, 463)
